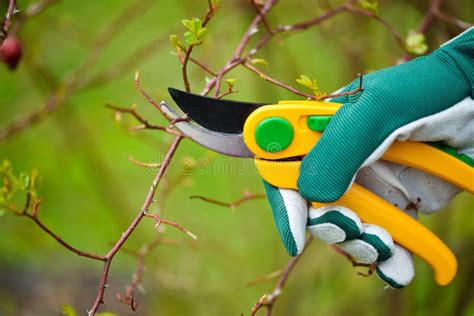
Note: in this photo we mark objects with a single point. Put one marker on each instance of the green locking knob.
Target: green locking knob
(274, 134)
(318, 123)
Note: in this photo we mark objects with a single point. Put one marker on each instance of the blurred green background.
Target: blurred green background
(92, 192)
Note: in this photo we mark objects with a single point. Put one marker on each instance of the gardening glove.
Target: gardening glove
(428, 99)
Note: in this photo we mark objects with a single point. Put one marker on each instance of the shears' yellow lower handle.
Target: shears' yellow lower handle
(405, 230)
(371, 209)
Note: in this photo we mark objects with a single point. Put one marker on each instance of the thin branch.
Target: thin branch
(311, 22)
(232, 205)
(78, 77)
(32, 11)
(343, 94)
(268, 300)
(145, 124)
(187, 55)
(129, 298)
(266, 277)
(388, 26)
(229, 91)
(236, 56)
(127, 65)
(143, 212)
(371, 266)
(276, 82)
(452, 20)
(202, 66)
(58, 97)
(63, 243)
(430, 14)
(34, 205)
(150, 165)
(145, 94)
(263, 17)
(7, 22)
(159, 220)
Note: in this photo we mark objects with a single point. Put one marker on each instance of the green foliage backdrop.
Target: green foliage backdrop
(91, 191)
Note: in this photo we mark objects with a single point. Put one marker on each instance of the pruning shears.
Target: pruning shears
(279, 135)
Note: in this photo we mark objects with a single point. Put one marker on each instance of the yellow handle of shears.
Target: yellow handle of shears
(405, 230)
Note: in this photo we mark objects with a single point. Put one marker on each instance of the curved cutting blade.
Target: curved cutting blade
(227, 144)
(224, 116)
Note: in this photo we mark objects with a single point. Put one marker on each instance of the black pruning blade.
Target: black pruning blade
(218, 115)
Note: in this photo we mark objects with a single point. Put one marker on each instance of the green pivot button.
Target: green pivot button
(274, 134)
(318, 123)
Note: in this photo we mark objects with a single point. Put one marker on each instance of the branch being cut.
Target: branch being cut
(145, 124)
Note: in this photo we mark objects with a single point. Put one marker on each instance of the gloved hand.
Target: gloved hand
(427, 99)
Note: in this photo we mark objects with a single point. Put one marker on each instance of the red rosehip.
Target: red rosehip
(11, 52)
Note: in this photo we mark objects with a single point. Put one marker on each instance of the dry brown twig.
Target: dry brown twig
(150, 165)
(129, 298)
(371, 266)
(7, 22)
(145, 124)
(268, 300)
(141, 214)
(247, 196)
(31, 211)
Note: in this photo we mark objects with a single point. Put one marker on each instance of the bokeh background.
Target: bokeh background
(91, 190)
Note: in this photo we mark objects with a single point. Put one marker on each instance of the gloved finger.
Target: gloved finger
(397, 271)
(290, 212)
(356, 134)
(334, 224)
(374, 245)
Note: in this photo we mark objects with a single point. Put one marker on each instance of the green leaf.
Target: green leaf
(231, 82)
(68, 310)
(34, 180)
(259, 61)
(175, 41)
(369, 5)
(24, 181)
(195, 32)
(305, 81)
(415, 43)
(106, 314)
